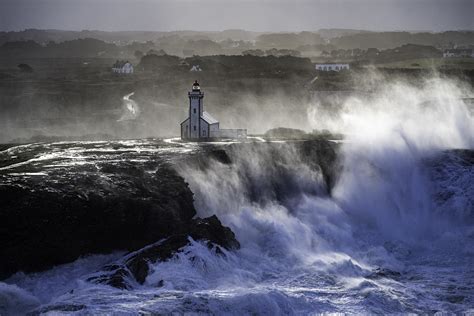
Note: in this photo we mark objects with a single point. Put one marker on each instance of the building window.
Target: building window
(194, 111)
(194, 127)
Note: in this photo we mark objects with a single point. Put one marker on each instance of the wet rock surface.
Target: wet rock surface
(133, 268)
(41, 228)
(59, 201)
(280, 159)
(384, 273)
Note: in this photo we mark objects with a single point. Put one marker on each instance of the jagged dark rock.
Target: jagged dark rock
(285, 133)
(220, 155)
(122, 207)
(384, 273)
(134, 267)
(208, 155)
(122, 199)
(278, 163)
(323, 154)
(455, 299)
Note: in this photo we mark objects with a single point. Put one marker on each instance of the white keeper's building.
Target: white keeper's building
(200, 125)
(331, 67)
(122, 67)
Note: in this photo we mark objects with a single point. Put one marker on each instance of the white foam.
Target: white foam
(304, 251)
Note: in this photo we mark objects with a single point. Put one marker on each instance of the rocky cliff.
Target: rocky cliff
(60, 201)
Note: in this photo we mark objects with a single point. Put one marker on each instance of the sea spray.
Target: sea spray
(389, 135)
(382, 209)
(376, 240)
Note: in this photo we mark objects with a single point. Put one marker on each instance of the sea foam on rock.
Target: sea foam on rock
(123, 199)
(134, 267)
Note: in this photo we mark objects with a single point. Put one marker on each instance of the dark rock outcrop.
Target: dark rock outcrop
(134, 267)
(126, 195)
(219, 155)
(285, 133)
(207, 157)
(269, 171)
(119, 206)
(384, 273)
(322, 154)
(280, 163)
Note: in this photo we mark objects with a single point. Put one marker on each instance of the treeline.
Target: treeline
(228, 65)
(272, 52)
(385, 40)
(309, 43)
(407, 51)
(249, 63)
(119, 37)
(326, 43)
(93, 48)
(69, 49)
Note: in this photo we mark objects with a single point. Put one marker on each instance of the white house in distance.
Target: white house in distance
(195, 68)
(122, 67)
(458, 52)
(200, 125)
(331, 67)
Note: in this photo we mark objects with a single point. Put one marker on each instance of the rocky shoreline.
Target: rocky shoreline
(113, 198)
(133, 268)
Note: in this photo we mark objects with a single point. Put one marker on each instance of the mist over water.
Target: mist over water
(130, 110)
(382, 212)
(388, 138)
(384, 180)
(376, 241)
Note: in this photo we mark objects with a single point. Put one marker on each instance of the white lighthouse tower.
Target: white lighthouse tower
(200, 125)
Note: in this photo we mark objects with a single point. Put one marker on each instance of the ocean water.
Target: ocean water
(396, 234)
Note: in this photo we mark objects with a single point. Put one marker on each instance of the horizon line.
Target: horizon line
(237, 29)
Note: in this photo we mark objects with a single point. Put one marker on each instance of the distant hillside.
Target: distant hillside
(326, 43)
(122, 37)
(332, 33)
(384, 40)
(288, 40)
(87, 47)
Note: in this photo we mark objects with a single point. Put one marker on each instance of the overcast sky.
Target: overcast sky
(255, 15)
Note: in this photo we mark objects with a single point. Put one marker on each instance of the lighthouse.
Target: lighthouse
(200, 125)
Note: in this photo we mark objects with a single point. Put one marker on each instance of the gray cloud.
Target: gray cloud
(266, 15)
